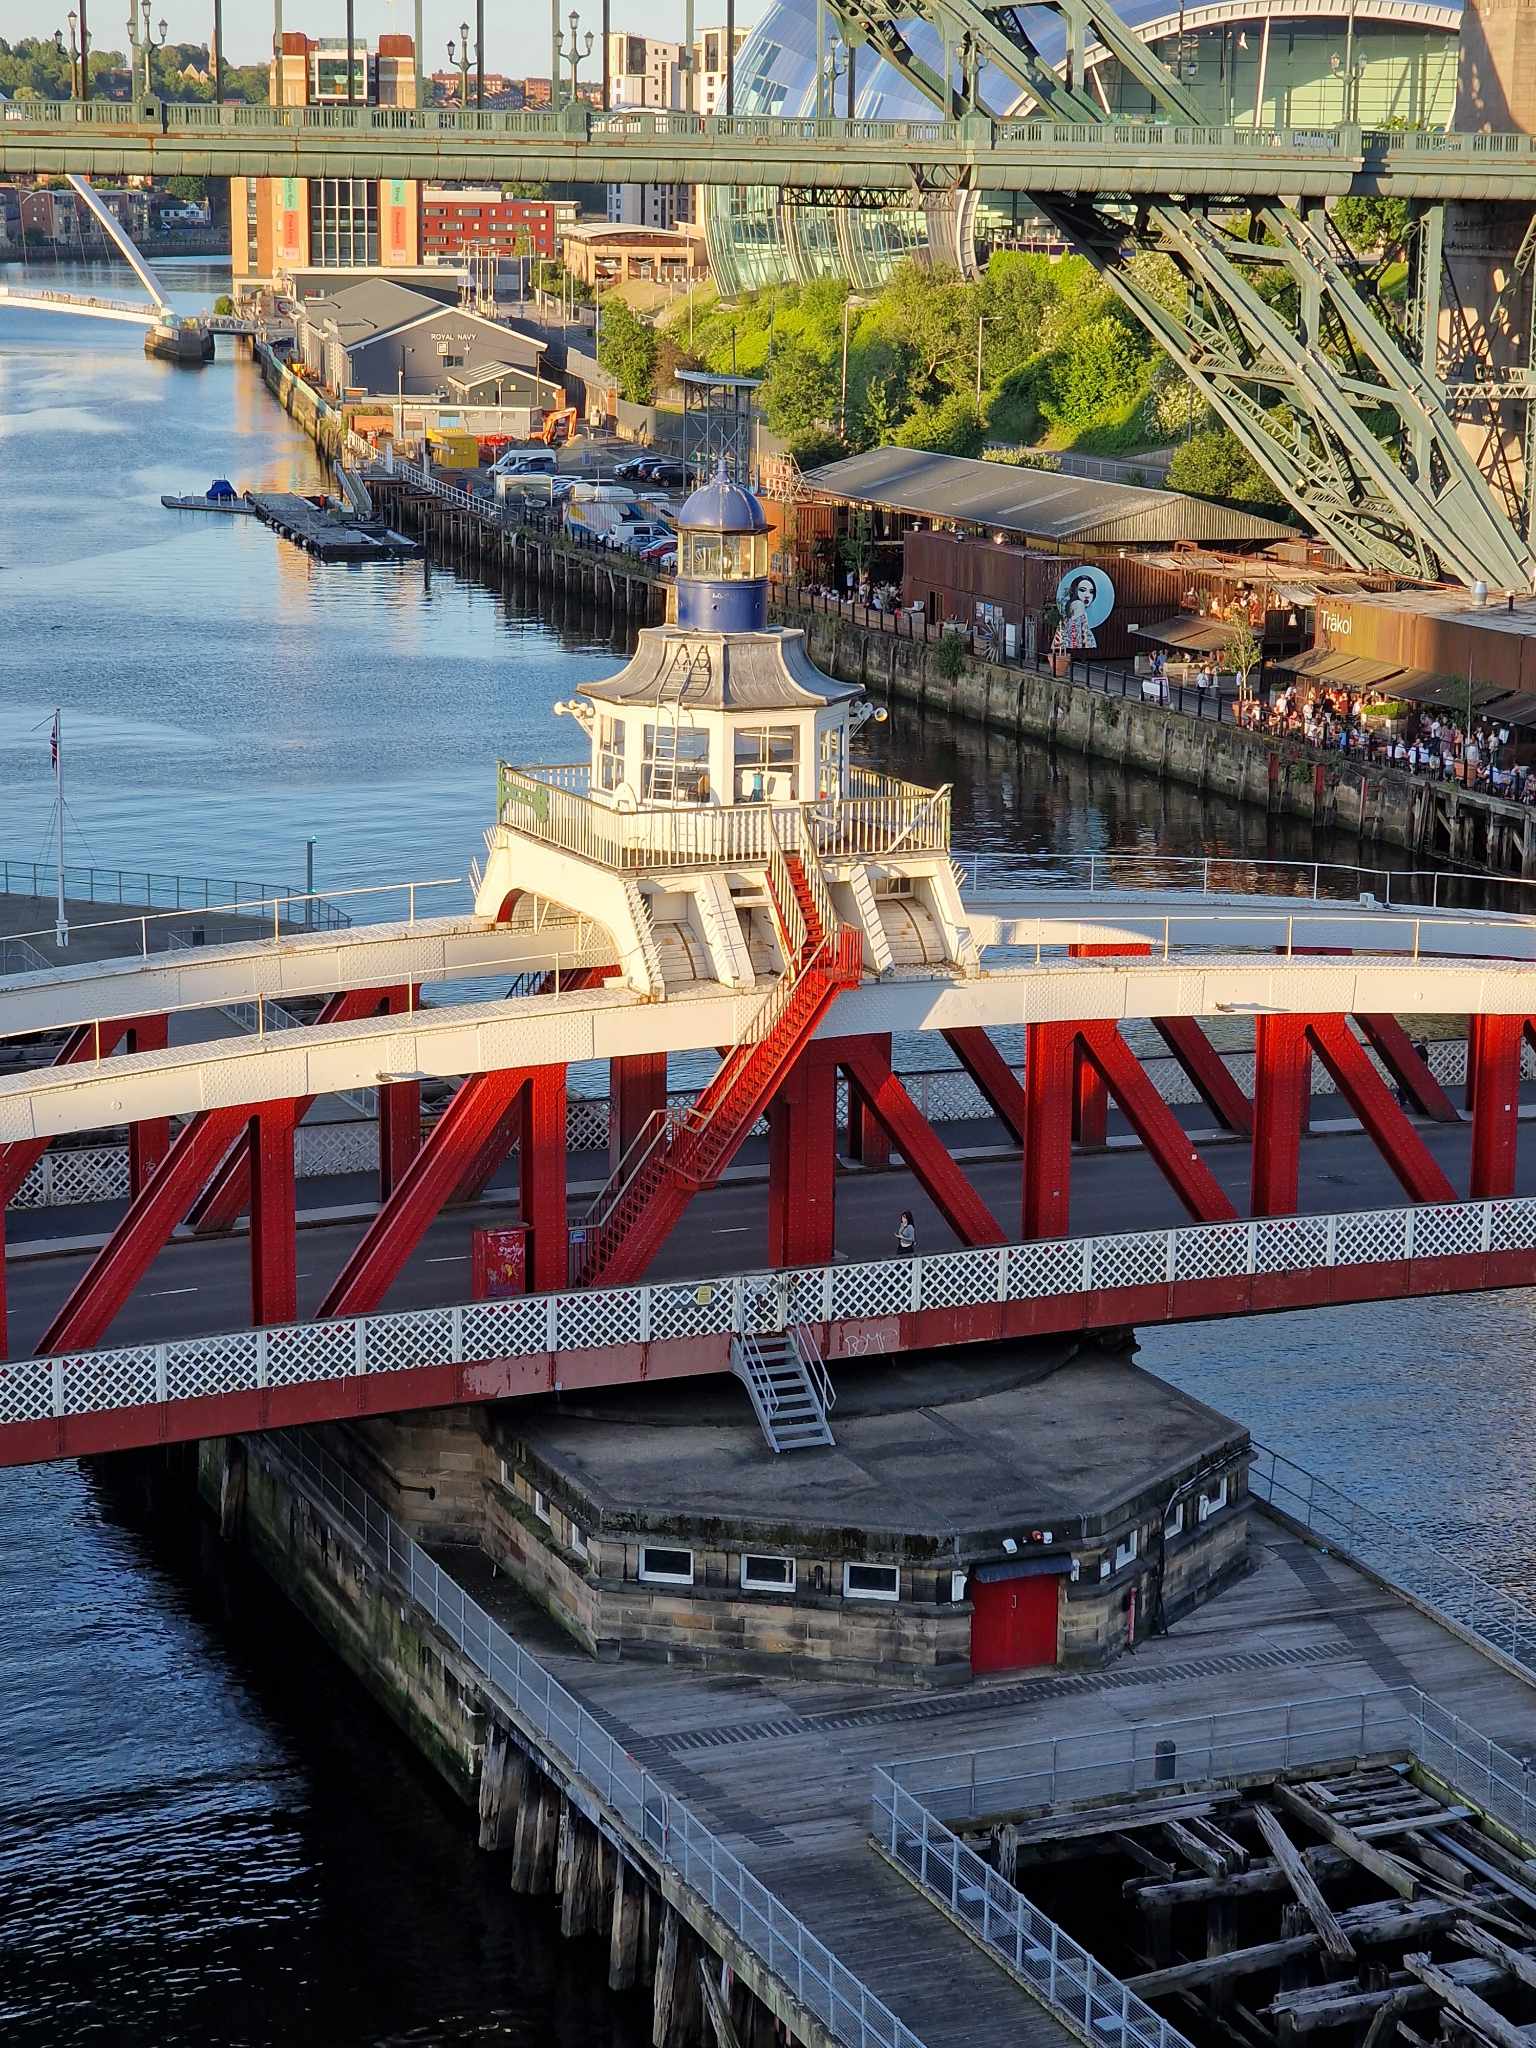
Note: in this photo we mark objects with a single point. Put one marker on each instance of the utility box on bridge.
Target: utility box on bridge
(499, 1263)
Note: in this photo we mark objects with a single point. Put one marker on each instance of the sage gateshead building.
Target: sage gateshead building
(1248, 63)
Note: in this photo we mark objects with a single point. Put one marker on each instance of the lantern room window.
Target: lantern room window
(723, 557)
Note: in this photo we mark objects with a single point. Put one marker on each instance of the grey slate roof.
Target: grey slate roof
(369, 308)
(1042, 504)
(768, 671)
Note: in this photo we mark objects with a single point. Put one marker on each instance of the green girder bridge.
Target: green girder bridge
(1387, 422)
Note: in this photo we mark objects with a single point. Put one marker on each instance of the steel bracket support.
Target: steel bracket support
(1205, 1067)
(1090, 1108)
(1383, 1122)
(992, 1075)
(141, 1235)
(1163, 1136)
(424, 1189)
(541, 1176)
(1493, 1081)
(867, 1141)
(150, 1138)
(637, 1090)
(802, 1161)
(919, 1144)
(1394, 1048)
(1282, 1083)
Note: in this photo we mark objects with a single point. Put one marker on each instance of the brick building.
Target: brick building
(455, 220)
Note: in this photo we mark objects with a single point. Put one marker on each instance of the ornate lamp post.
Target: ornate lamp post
(147, 42)
(463, 61)
(570, 54)
(79, 53)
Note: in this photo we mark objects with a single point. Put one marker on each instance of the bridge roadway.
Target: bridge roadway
(613, 1023)
(198, 1286)
(146, 138)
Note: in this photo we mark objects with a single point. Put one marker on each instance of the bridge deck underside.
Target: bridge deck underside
(780, 1769)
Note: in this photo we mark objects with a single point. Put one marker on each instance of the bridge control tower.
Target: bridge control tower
(722, 836)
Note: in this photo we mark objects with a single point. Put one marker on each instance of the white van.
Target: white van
(525, 462)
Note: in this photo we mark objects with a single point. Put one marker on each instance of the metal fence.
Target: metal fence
(1437, 1581)
(586, 1319)
(908, 1799)
(146, 886)
(668, 1828)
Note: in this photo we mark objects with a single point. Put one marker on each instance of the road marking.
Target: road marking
(452, 1259)
(731, 1229)
(159, 1293)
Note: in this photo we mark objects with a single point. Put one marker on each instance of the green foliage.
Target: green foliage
(629, 348)
(799, 392)
(950, 659)
(1023, 458)
(1369, 223)
(188, 188)
(952, 427)
(1243, 650)
(1216, 465)
(815, 448)
(223, 303)
(34, 68)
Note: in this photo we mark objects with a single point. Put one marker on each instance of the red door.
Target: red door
(1013, 1623)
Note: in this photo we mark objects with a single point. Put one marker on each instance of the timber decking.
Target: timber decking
(780, 1769)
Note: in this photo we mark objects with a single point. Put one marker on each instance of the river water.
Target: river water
(206, 1834)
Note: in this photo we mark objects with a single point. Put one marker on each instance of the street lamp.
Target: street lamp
(147, 40)
(79, 45)
(463, 61)
(568, 52)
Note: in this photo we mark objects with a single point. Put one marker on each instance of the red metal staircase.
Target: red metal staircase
(679, 1152)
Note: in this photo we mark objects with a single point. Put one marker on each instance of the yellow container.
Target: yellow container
(453, 450)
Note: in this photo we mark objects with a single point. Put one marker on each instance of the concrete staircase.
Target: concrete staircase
(787, 1380)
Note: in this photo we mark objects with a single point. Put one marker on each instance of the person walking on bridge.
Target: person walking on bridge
(906, 1234)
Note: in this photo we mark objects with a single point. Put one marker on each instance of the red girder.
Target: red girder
(918, 1143)
(1090, 1098)
(992, 1074)
(151, 1216)
(1208, 1071)
(399, 1132)
(149, 1139)
(637, 1091)
(458, 1137)
(1282, 1085)
(1493, 1085)
(802, 1161)
(1383, 1122)
(85, 1042)
(1159, 1130)
(1049, 1053)
(867, 1142)
(274, 1215)
(224, 1202)
(1392, 1045)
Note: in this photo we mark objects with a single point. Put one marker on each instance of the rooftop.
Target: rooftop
(1043, 504)
(1010, 1441)
(768, 671)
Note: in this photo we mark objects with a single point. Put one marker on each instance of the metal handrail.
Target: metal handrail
(815, 1365)
(1118, 869)
(1121, 1760)
(181, 892)
(653, 1815)
(750, 1368)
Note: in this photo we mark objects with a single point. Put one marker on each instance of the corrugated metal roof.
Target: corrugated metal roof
(1355, 671)
(1044, 504)
(1187, 629)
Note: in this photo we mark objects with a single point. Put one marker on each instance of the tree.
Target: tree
(950, 658)
(188, 188)
(1100, 372)
(1243, 652)
(1370, 223)
(932, 314)
(1216, 465)
(952, 427)
(815, 448)
(799, 391)
(629, 348)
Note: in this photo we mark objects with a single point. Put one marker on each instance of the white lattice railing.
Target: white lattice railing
(588, 1319)
(944, 1095)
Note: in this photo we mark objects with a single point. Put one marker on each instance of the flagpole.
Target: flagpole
(61, 925)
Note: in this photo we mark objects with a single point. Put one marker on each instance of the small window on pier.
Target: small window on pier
(767, 1574)
(610, 752)
(1173, 1523)
(576, 1537)
(1126, 1549)
(666, 1567)
(541, 1505)
(767, 757)
(871, 1582)
(676, 765)
(1210, 1502)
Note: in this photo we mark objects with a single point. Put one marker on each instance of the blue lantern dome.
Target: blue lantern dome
(722, 559)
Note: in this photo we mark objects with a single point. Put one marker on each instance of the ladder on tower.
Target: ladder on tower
(786, 1377)
(678, 1153)
(663, 789)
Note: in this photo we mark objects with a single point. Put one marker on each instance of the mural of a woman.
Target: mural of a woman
(1085, 598)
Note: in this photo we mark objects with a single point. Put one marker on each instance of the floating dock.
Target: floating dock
(202, 503)
(330, 535)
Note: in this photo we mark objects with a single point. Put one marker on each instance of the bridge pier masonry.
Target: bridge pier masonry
(808, 1433)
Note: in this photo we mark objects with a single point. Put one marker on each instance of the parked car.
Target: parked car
(525, 462)
(672, 476)
(635, 535)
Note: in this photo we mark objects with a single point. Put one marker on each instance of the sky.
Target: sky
(516, 31)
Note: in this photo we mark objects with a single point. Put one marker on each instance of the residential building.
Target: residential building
(506, 92)
(456, 220)
(645, 71)
(387, 339)
(346, 223)
(709, 69)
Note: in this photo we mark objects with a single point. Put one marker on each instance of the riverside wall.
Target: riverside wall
(1283, 776)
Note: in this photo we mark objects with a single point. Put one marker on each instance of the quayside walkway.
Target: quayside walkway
(781, 1770)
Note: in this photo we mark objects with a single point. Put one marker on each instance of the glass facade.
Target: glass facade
(1399, 65)
(343, 221)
